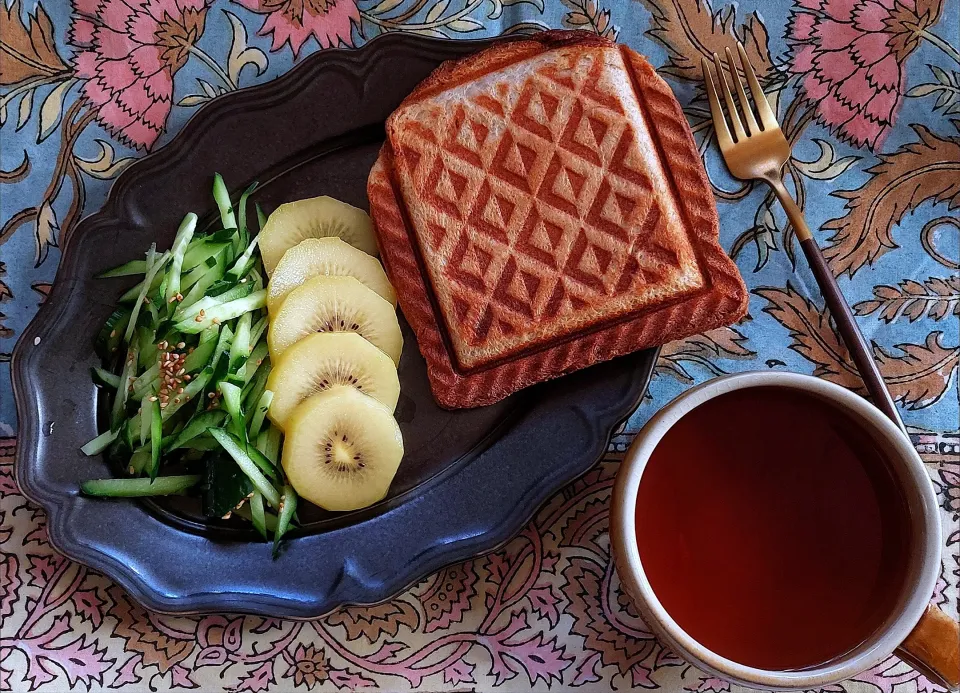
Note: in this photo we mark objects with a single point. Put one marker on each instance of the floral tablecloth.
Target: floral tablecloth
(869, 92)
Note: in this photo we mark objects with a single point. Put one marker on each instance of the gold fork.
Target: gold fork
(758, 151)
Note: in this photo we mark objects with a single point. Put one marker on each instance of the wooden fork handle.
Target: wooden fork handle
(846, 324)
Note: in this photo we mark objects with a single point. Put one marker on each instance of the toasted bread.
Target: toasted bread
(540, 207)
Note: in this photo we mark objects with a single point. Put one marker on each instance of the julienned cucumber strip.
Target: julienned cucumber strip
(210, 301)
(257, 514)
(261, 217)
(268, 442)
(222, 198)
(100, 443)
(190, 391)
(259, 327)
(132, 488)
(120, 401)
(242, 211)
(269, 518)
(265, 465)
(156, 437)
(145, 409)
(111, 334)
(243, 263)
(198, 425)
(259, 411)
(200, 356)
(240, 349)
(154, 265)
(130, 295)
(199, 251)
(147, 381)
(180, 242)
(127, 269)
(231, 402)
(235, 449)
(288, 506)
(224, 312)
(102, 376)
(256, 365)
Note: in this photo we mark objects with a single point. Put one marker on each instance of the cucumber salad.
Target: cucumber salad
(254, 370)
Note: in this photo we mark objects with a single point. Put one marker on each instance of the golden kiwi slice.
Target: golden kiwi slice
(342, 449)
(335, 304)
(317, 217)
(325, 360)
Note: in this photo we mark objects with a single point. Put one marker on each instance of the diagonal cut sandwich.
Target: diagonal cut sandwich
(541, 207)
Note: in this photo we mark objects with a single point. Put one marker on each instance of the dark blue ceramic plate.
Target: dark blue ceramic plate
(469, 479)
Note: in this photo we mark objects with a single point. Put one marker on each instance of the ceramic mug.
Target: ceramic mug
(919, 633)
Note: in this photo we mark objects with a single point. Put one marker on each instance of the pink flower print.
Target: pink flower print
(850, 55)
(308, 666)
(128, 55)
(330, 22)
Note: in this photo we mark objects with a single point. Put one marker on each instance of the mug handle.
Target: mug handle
(933, 648)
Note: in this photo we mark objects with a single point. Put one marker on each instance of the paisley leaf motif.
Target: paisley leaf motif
(46, 231)
(827, 165)
(241, 54)
(51, 111)
(18, 173)
(917, 377)
(105, 166)
(140, 635)
(372, 622)
(928, 169)
(28, 48)
(588, 15)
(384, 7)
(437, 11)
(934, 298)
(701, 349)
(464, 25)
(691, 30)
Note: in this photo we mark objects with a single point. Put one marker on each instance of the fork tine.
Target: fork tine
(752, 126)
(728, 97)
(767, 116)
(719, 124)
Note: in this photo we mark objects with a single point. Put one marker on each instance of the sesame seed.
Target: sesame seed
(198, 319)
(181, 371)
(146, 300)
(179, 297)
(202, 312)
(180, 345)
(113, 333)
(163, 405)
(172, 299)
(216, 321)
(186, 377)
(227, 516)
(153, 398)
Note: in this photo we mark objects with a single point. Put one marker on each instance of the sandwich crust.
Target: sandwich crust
(541, 206)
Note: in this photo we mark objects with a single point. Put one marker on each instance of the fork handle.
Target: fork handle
(839, 308)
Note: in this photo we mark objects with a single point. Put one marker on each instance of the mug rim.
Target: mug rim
(630, 567)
